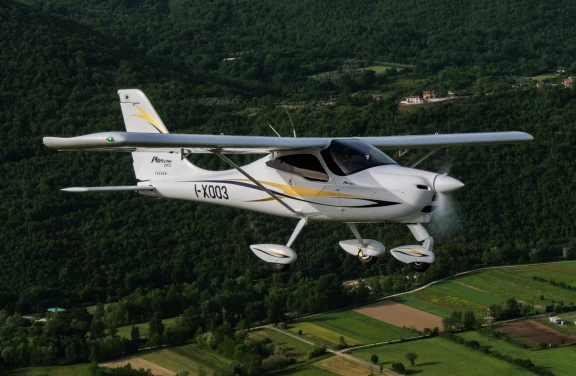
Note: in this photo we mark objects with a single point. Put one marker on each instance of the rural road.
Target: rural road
(337, 353)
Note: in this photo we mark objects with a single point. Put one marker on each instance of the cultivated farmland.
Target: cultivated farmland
(440, 357)
(480, 289)
(517, 282)
(292, 347)
(400, 315)
(535, 332)
(561, 361)
(74, 370)
(137, 362)
(354, 327)
(341, 366)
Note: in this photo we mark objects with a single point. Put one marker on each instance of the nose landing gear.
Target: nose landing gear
(420, 257)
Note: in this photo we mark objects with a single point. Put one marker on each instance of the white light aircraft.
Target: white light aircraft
(348, 180)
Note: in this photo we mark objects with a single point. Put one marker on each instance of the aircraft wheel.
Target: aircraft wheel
(420, 267)
(365, 259)
(280, 268)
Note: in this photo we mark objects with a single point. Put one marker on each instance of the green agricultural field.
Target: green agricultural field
(518, 283)
(75, 370)
(306, 370)
(422, 305)
(440, 357)
(208, 359)
(321, 335)
(453, 296)
(561, 361)
(173, 361)
(294, 348)
(125, 331)
(356, 328)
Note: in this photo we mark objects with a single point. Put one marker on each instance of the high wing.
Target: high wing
(194, 143)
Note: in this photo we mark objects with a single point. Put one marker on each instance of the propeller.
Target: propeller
(445, 219)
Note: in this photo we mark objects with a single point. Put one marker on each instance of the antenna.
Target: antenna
(270, 125)
(293, 129)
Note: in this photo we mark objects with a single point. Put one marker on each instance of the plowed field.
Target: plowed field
(400, 315)
(536, 332)
(136, 363)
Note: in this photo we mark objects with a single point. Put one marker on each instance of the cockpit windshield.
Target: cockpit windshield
(345, 157)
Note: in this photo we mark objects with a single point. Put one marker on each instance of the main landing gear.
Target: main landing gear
(280, 257)
(367, 250)
(419, 257)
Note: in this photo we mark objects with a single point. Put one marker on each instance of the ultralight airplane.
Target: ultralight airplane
(348, 180)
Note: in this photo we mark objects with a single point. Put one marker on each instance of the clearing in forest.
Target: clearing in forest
(400, 315)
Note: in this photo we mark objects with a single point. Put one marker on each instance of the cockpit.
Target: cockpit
(346, 157)
(342, 157)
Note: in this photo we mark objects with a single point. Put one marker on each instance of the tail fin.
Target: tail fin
(141, 117)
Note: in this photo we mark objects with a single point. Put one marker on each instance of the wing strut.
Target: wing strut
(234, 165)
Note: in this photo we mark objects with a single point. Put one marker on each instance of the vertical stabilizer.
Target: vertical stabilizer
(141, 117)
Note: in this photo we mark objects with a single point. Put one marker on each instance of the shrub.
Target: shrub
(374, 359)
(276, 362)
(300, 331)
(282, 325)
(317, 351)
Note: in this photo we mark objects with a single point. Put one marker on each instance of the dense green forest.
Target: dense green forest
(61, 63)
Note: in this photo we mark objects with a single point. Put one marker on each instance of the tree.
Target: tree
(156, 327)
(447, 323)
(411, 357)
(135, 333)
(374, 359)
(398, 367)
(469, 320)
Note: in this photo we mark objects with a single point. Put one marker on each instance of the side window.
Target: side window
(305, 165)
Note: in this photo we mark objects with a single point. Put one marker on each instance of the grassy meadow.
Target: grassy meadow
(126, 330)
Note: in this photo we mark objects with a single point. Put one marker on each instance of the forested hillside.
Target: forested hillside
(61, 63)
(495, 37)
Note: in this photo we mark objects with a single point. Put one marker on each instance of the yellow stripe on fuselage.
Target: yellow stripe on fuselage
(303, 192)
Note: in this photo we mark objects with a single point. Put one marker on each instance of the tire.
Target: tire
(365, 259)
(280, 268)
(420, 267)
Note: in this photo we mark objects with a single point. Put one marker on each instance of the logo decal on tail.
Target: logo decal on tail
(150, 119)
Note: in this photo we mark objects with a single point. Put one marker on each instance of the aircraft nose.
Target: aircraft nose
(445, 183)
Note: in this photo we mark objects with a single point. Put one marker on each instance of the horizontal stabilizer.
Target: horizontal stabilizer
(109, 189)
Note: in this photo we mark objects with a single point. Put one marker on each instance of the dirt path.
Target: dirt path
(337, 353)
